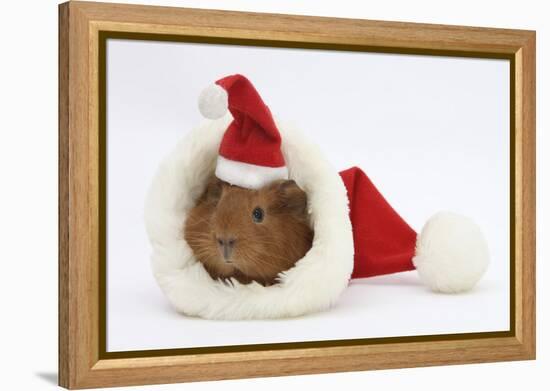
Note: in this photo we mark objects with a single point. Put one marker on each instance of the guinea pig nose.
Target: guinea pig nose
(226, 241)
(226, 245)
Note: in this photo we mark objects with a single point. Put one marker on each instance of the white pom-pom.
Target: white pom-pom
(451, 253)
(213, 102)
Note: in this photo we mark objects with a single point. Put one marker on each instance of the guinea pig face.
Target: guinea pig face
(260, 233)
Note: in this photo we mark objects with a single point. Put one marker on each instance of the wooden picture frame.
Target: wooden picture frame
(83, 28)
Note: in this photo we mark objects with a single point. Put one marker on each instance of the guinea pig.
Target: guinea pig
(249, 235)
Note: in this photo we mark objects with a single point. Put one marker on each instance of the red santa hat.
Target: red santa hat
(450, 254)
(250, 152)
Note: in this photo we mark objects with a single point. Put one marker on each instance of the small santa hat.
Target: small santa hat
(250, 151)
(450, 254)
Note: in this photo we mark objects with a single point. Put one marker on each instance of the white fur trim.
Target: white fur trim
(313, 284)
(451, 253)
(213, 102)
(248, 175)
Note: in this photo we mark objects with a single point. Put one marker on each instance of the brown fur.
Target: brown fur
(260, 251)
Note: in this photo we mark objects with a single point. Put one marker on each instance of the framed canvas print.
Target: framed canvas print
(248, 195)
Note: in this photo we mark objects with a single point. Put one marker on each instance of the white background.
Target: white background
(28, 157)
(431, 132)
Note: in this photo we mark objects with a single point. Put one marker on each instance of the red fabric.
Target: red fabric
(384, 243)
(252, 137)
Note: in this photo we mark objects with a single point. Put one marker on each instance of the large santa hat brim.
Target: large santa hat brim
(312, 285)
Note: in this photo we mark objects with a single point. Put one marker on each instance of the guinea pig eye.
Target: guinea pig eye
(258, 215)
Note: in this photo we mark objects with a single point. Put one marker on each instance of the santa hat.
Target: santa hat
(250, 152)
(450, 254)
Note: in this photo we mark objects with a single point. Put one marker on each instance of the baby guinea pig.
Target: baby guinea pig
(249, 235)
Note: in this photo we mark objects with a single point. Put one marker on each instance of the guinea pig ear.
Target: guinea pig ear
(290, 197)
(214, 190)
